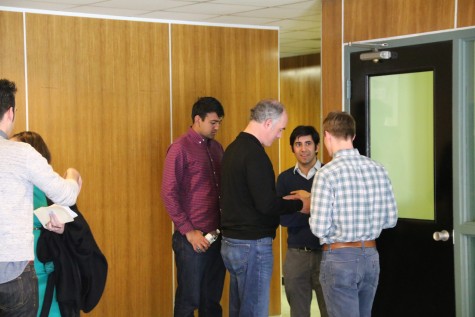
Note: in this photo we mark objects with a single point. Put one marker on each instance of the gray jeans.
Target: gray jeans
(19, 297)
(301, 277)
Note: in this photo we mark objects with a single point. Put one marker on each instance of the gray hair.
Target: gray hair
(267, 109)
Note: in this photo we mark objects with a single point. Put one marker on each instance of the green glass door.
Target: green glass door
(402, 138)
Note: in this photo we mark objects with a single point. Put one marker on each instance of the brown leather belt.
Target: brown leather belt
(356, 244)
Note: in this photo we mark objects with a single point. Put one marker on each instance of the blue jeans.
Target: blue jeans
(200, 279)
(249, 263)
(349, 278)
(19, 297)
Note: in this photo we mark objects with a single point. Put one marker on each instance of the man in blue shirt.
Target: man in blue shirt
(352, 202)
(302, 262)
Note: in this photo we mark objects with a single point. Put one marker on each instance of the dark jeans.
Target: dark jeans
(19, 297)
(200, 279)
(301, 277)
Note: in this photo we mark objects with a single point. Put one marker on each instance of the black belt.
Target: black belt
(305, 249)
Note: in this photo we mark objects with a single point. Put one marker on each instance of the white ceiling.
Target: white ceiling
(299, 21)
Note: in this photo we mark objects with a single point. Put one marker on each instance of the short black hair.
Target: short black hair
(303, 130)
(7, 95)
(205, 105)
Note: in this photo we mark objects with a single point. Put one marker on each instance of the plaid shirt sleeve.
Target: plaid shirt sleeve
(391, 206)
(321, 205)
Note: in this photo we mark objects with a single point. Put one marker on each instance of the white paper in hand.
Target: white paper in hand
(64, 214)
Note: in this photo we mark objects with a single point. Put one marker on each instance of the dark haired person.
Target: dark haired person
(352, 202)
(22, 168)
(190, 191)
(301, 267)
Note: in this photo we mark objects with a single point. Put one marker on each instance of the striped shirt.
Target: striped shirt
(352, 199)
(191, 182)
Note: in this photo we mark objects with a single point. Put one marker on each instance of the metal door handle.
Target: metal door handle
(443, 235)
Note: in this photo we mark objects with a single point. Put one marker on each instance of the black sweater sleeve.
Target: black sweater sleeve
(261, 184)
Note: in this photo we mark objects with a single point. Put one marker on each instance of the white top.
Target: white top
(311, 172)
(21, 167)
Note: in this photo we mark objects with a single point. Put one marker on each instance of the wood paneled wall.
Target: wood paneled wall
(12, 62)
(206, 61)
(373, 19)
(99, 94)
(331, 67)
(466, 16)
(107, 101)
(300, 93)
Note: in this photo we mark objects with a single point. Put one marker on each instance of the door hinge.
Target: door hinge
(348, 89)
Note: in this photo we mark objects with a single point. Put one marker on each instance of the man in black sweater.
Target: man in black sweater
(251, 210)
(304, 254)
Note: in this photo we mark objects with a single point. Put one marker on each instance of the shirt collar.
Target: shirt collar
(346, 152)
(196, 137)
(311, 172)
(3, 135)
(251, 137)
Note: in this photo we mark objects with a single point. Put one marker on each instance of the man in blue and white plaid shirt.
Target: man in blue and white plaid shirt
(352, 202)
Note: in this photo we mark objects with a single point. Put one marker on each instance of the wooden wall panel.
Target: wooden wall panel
(466, 13)
(331, 60)
(99, 94)
(300, 93)
(12, 61)
(237, 66)
(370, 19)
